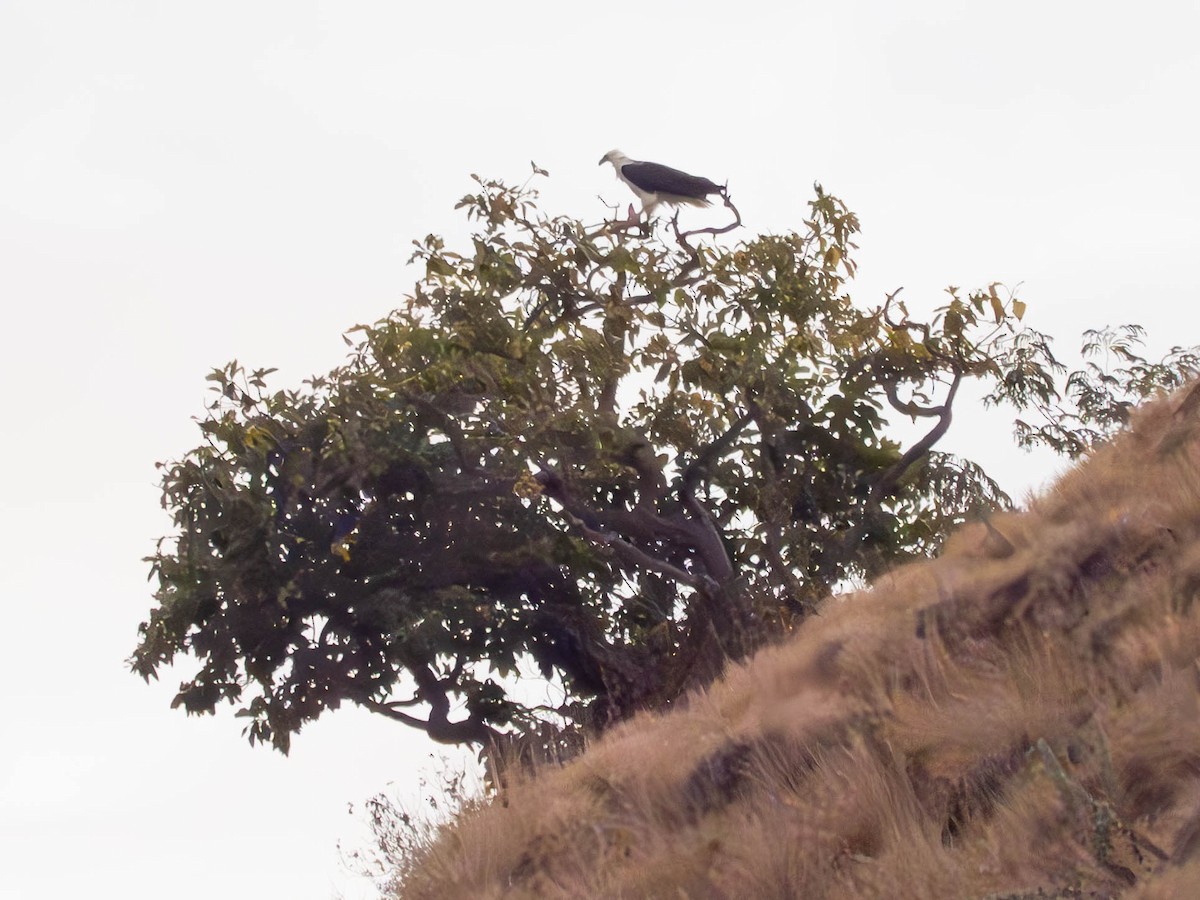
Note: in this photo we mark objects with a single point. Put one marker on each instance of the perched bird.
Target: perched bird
(654, 183)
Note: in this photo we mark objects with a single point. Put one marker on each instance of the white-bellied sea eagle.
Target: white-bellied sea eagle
(654, 183)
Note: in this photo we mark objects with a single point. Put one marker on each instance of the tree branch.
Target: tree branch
(910, 408)
(892, 475)
(439, 727)
(606, 526)
(432, 690)
(713, 451)
(652, 484)
(451, 428)
(642, 560)
(641, 522)
(896, 471)
(736, 223)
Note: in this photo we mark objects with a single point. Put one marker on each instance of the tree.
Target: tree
(619, 459)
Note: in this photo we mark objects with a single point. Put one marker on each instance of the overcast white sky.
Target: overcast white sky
(182, 184)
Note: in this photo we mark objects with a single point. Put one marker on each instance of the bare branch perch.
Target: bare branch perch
(736, 223)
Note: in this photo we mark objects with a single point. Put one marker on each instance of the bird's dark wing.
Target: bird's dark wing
(656, 178)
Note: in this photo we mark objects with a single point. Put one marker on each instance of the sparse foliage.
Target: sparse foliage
(400, 833)
(1097, 397)
(619, 459)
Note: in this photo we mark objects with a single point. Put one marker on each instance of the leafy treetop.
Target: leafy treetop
(618, 459)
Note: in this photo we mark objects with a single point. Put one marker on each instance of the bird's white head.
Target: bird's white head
(616, 157)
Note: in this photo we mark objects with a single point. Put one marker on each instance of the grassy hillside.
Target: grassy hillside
(1018, 718)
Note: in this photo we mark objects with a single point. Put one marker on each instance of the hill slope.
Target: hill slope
(1018, 718)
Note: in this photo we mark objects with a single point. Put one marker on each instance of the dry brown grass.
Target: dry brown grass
(1016, 721)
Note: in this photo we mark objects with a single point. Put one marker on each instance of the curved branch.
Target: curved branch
(713, 451)
(910, 408)
(432, 690)
(736, 223)
(887, 305)
(896, 471)
(439, 727)
(892, 475)
(707, 538)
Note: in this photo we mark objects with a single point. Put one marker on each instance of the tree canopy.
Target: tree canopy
(613, 458)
